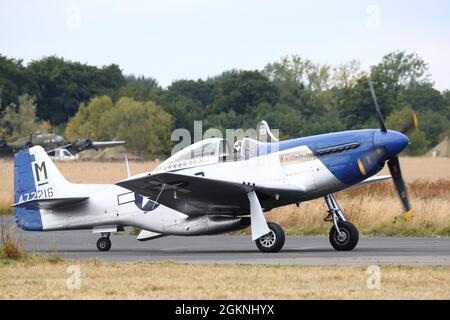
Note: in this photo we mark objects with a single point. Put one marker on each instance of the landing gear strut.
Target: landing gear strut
(343, 235)
(104, 244)
(273, 241)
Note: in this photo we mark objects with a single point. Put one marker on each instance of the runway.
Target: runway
(240, 249)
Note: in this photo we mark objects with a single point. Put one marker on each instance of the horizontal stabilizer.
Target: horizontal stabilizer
(49, 203)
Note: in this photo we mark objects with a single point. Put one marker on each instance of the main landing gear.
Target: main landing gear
(104, 244)
(273, 241)
(343, 235)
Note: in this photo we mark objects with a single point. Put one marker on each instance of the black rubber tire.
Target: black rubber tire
(103, 244)
(351, 236)
(275, 231)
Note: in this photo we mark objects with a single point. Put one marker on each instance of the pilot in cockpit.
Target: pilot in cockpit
(235, 155)
(237, 150)
(237, 146)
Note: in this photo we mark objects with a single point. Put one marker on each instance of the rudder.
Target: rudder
(35, 177)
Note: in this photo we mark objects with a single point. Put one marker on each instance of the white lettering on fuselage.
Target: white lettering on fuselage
(38, 194)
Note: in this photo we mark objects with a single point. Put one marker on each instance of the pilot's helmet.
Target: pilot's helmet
(237, 145)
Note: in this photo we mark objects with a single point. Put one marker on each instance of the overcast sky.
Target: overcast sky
(175, 39)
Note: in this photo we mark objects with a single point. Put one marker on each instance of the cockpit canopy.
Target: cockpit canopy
(214, 150)
(198, 154)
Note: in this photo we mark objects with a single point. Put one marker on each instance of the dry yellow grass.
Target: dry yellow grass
(418, 168)
(10, 246)
(103, 280)
(374, 209)
(370, 215)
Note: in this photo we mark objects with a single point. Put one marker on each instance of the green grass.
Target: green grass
(8, 211)
(134, 232)
(11, 247)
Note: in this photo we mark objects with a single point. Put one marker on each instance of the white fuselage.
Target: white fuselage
(111, 205)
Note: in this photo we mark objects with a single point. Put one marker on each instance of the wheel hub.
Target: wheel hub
(343, 237)
(268, 240)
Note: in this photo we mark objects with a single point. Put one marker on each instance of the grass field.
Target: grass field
(47, 279)
(374, 209)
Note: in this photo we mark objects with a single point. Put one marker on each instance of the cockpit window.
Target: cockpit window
(214, 150)
(206, 150)
(252, 148)
(249, 148)
(200, 153)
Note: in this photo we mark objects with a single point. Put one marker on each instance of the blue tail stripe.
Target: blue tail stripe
(28, 218)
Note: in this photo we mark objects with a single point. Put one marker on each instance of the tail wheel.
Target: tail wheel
(273, 241)
(347, 239)
(104, 244)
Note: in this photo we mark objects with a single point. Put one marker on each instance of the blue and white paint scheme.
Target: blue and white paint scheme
(202, 189)
(210, 188)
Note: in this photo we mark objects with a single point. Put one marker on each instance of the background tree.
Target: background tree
(143, 125)
(295, 94)
(20, 120)
(87, 120)
(139, 88)
(13, 81)
(418, 140)
(243, 91)
(62, 85)
(347, 74)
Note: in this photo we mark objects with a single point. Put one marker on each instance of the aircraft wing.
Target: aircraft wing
(197, 195)
(371, 180)
(107, 144)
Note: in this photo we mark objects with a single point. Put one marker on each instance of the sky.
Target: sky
(191, 39)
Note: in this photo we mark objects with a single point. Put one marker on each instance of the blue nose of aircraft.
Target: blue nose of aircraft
(394, 142)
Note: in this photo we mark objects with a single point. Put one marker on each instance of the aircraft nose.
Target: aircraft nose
(394, 142)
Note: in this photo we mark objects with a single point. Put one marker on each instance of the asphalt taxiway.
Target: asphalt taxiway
(240, 249)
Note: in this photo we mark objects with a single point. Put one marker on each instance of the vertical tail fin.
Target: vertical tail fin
(36, 178)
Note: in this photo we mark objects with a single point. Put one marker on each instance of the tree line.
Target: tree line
(296, 95)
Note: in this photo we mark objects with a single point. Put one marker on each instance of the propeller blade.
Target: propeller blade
(411, 123)
(394, 168)
(377, 107)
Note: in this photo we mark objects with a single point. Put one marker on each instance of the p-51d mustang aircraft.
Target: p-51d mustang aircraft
(204, 190)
